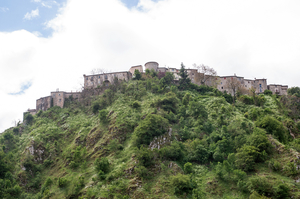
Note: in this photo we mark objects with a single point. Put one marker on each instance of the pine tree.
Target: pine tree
(184, 81)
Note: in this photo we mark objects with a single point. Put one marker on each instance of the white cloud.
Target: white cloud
(32, 14)
(37, 33)
(250, 38)
(37, 1)
(4, 9)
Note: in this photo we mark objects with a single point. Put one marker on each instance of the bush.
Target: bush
(188, 168)
(267, 92)
(143, 172)
(246, 99)
(153, 125)
(199, 155)
(274, 165)
(181, 183)
(62, 182)
(28, 118)
(246, 157)
(274, 127)
(102, 165)
(173, 152)
(136, 105)
(145, 157)
(103, 116)
(260, 140)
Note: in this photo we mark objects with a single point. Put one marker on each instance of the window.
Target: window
(276, 87)
(99, 76)
(58, 94)
(59, 100)
(222, 87)
(245, 85)
(53, 95)
(260, 85)
(87, 78)
(192, 73)
(105, 76)
(221, 82)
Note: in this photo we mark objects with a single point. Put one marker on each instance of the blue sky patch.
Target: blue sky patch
(30, 15)
(24, 87)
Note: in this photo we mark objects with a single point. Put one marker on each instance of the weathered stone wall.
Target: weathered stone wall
(278, 89)
(151, 65)
(260, 85)
(58, 98)
(93, 81)
(133, 68)
(43, 103)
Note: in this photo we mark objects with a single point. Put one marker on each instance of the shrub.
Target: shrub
(246, 99)
(28, 118)
(181, 183)
(260, 140)
(103, 116)
(246, 157)
(145, 157)
(274, 165)
(188, 168)
(274, 127)
(199, 155)
(153, 125)
(143, 172)
(267, 92)
(136, 105)
(62, 182)
(102, 165)
(47, 162)
(173, 152)
(95, 107)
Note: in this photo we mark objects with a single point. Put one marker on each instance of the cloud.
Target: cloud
(24, 86)
(4, 9)
(32, 14)
(47, 4)
(250, 38)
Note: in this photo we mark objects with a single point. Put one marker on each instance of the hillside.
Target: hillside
(151, 138)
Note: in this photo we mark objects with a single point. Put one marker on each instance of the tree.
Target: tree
(167, 79)
(137, 75)
(208, 74)
(184, 81)
(153, 125)
(294, 91)
(233, 85)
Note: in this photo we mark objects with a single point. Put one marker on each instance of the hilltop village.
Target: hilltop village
(57, 98)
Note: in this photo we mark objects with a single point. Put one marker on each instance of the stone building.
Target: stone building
(43, 103)
(57, 98)
(278, 89)
(133, 68)
(151, 65)
(93, 81)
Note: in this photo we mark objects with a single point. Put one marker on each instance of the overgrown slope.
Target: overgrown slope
(148, 139)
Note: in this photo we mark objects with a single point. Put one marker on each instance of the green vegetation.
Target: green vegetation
(152, 137)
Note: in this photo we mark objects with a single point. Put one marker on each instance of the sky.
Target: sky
(47, 45)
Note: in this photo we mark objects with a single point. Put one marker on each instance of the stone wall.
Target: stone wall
(43, 103)
(93, 81)
(278, 89)
(133, 68)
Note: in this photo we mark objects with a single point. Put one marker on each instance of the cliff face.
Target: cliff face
(142, 139)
